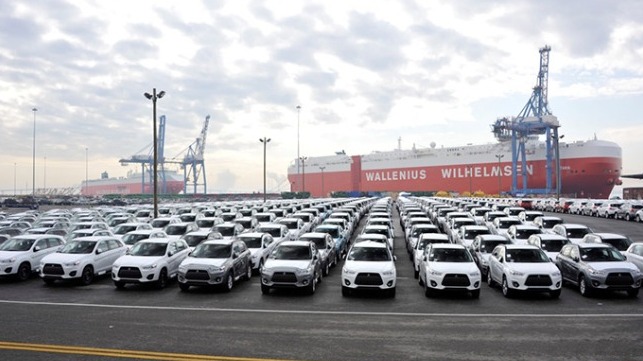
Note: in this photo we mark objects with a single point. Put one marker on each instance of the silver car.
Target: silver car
(293, 264)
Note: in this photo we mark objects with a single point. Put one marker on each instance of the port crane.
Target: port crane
(192, 163)
(534, 119)
(145, 158)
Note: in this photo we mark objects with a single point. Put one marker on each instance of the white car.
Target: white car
(20, 256)
(449, 267)
(424, 240)
(150, 261)
(260, 246)
(572, 231)
(369, 266)
(130, 238)
(82, 259)
(634, 254)
(219, 262)
(523, 268)
(549, 243)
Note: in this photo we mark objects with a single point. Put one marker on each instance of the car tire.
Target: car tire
(506, 291)
(87, 276)
(428, 291)
(475, 294)
(346, 291)
(248, 271)
(24, 271)
(184, 287)
(229, 282)
(312, 287)
(265, 289)
(326, 269)
(555, 294)
(119, 285)
(490, 281)
(633, 292)
(583, 287)
(162, 281)
(416, 273)
(638, 219)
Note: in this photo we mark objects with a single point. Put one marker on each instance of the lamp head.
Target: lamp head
(161, 94)
(148, 95)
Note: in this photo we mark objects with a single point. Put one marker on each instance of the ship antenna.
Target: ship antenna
(399, 143)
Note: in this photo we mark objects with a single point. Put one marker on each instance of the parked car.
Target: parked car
(634, 254)
(595, 266)
(326, 248)
(618, 241)
(293, 264)
(547, 223)
(369, 266)
(82, 259)
(481, 249)
(130, 238)
(523, 268)
(518, 234)
(628, 211)
(177, 230)
(572, 231)
(449, 267)
(150, 261)
(20, 256)
(260, 246)
(216, 263)
(424, 241)
(550, 243)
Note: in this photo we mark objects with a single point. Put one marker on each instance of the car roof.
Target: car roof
(593, 245)
(369, 244)
(34, 236)
(609, 235)
(571, 225)
(251, 234)
(294, 243)
(549, 236)
(93, 238)
(492, 237)
(447, 245)
(434, 236)
(224, 241)
(519, 246)
(314, 235)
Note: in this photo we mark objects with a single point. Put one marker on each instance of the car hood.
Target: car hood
(136, 261)
(11, 254)
(64, 257)
(192, 261)
(612, 266)
(453, 267)
(369, 266)
(547, 267)
(283, 263)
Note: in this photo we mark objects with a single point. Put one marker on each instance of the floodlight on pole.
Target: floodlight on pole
(298, 110)
(153, 97)
(33, 162)
(265, 141)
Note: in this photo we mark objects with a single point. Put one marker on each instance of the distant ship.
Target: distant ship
(169, 182)
(588, 169)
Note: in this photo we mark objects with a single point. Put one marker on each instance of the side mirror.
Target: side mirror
(576, 259)
(170, 254)
(36, 249)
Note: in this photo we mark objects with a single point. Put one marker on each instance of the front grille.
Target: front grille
(197, 275)
(619, 279)
(457, 279)
(53, 269)
(538, 280)
(368, 279)
(288, 277)
(129, 272)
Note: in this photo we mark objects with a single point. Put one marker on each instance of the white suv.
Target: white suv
(21, 255)
(82, 259)
(150, 261)
(449, 267)
(371, 266)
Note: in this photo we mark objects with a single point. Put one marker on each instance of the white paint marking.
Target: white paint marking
(335, 313)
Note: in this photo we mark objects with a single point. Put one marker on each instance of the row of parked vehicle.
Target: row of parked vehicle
(513, 247)
(627, 210)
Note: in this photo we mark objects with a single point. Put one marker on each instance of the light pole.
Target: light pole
(153, 97)
(303, 173)
(265, 141)
(14, 180)
(499, 156)
(44, 177)
(558, 175)
(322, 172)
(298, 110)
(33, 162)
(86, 170)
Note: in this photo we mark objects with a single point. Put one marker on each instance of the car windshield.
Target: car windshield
(225, 231)
(205, 223)
(262, 217)
(508, 223)
(17, 245)
(79, 247)
(526, 256)
(174, 230)
(122, 229)
(550, 223)
(382, 231)
(130, 239)
(622, 244)
(320, 242)
(488, 246)
(160, 223)
(207, 250)
(148, 249)
(552, 245)
(470, 234)
(577, 232)
(450, 255)
(275, 232)
(602, 254)
(252, 242)
(334, 232)
(290, 224)
(525, 233)
(193, 240)
(426, 241)
(292, 253)
(369, 254)
(531, 216)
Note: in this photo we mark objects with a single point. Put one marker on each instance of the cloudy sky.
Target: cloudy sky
(365, 73)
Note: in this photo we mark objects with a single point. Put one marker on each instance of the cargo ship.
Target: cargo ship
(587, 169)
(169, 182)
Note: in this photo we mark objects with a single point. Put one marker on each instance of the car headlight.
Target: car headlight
(213, 269)
(556, 274)
(151, 266)
(516, 273)
(636, 272)
(388, 273)
(595, 271)
(71, 264)
(436, 273)
(474, 274)
(303, 271)
(183, 269)
(349, 271)
(8, 260)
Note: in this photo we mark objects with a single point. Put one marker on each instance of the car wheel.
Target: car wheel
(475, 294)
(265, 289)
(490, 282)
(248, 271)
(627, 217)
(162, 281)
(184, 287)
(638, 218)
(346, 291)
(416, 273)
(87, 277)
(583, 287)
(506, 291)
(229, 282)
(555, 294)
(119, 285)
(428, 291)
(633, 292)
(312, 287)
(24, 272)
(326, 269)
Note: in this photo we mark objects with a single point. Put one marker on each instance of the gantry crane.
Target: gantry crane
(533, 120)
(192, 163)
